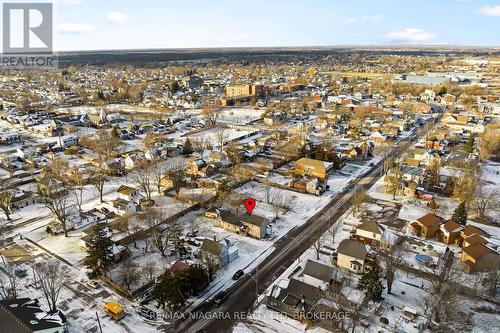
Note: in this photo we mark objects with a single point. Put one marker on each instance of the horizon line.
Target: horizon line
(311, 47)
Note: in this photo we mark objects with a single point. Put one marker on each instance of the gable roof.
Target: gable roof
(318, 270)
(253, 219)
(370, 226)
(310, 163)
(471, 229)
(125, 190)
(476, 239)
(477, 251)
(452, 226)
(299, 288)
(353, 249)
(212, 247)
(430, 220)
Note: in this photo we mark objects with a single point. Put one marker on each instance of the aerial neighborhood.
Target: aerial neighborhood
(375, 178)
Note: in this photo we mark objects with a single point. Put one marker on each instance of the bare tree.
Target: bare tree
(333, 229)
(433, 171)
(221, 135)
(144, 180)
(6, 196)
(465, 185)
(318, 244)
(149, 269)
(98, 179)
(52, 276)
(484, 199)
(268, 191)
(9, 290)
(394, 181)
(157, 173)
(211, 112)
(130, 226)
(440, 303)
(282, 202)
(392, 260)
(358, 199)
(493, 278)
(160, 238)
(104, 145)
(77, 179)
(56, 200)
(489, 142)
(129, 274)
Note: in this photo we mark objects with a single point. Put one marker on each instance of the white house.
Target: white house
(351, 255)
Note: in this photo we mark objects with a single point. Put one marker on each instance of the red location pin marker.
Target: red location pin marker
(249, 204)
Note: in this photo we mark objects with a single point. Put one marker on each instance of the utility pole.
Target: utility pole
(98, 321)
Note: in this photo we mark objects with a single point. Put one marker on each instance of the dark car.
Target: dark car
(148, 314)
(371, 164)
(220, 298)
(239, 273)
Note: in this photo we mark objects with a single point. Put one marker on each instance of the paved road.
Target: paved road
(243, 294)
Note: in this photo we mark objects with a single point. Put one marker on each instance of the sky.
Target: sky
(132, 24)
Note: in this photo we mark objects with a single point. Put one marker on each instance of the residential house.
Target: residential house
(22, 199)
(313, 168)
(413, 174)
(467, 232)
(480, 257)
(198, 167)
(450, 231)
(26, 315)
(133, 160)
(473, 240)
(66, 141)
(378, 137)
(352, 255)
(129, 193)
(220, 252)
(75, 220)
(123, 207)
(426, 226)
(369, 232)
(247, 224)
(9, 138)
(308, 184)
(318, 274)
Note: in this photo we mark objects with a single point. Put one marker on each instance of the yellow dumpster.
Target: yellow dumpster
(114, 310)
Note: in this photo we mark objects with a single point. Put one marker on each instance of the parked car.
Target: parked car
(194, 242)
(146, 297)
(371, 164)
(93, 284)
(192, 233)
(148, 313)
(239, 273)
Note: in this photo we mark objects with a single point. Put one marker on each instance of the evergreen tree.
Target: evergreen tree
(179, 243)
(460, 214)
(174, 87)
(469, 146)
(99, 255)
(172, 291)
(114, 132)
(370, 282)
(188, 148)
(223, 189)
(198, 278)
